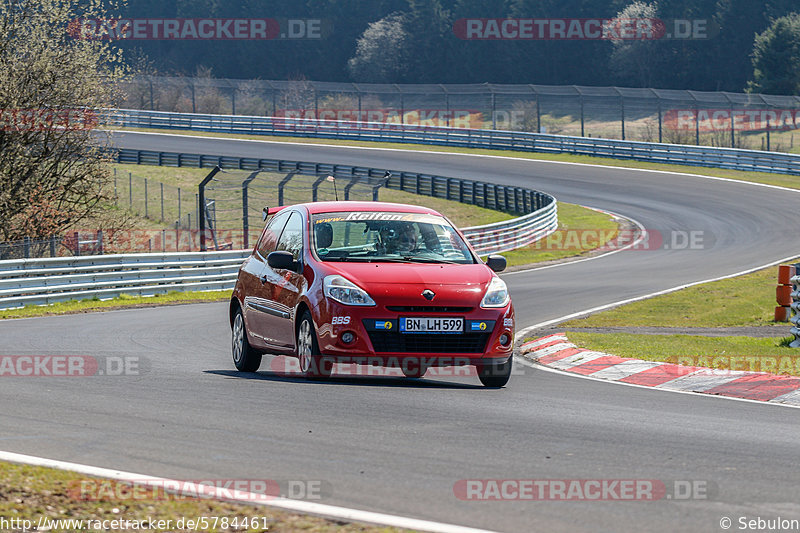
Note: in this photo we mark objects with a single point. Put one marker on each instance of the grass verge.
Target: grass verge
(783, 180)
(743, 301)
(747, 300)
(571, 217)
(188, 179)
(730, 353)
(31, 493)
(121, 302)
(580, 231)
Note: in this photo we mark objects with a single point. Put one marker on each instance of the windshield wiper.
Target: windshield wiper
(415, 259)
(351, 259)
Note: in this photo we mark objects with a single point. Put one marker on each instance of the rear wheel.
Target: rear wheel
(495, 376)
(312, 364)
(244, 357)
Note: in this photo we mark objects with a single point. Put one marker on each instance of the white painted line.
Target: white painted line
(578, 359)
(300, 506)
(625, 369)
(642, 236)
(485, 156)
(546, 368)
(521, 334)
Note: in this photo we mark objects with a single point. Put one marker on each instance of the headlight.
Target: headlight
(345, 291)
(496, 294)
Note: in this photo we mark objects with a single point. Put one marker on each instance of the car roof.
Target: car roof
(334, 207)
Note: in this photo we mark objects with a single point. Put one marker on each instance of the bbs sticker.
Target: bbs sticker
(340, 320)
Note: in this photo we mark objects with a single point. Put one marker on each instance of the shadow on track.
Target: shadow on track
(361, 381)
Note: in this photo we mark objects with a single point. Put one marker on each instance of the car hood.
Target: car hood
(402, 284)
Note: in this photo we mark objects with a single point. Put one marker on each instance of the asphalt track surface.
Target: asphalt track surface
(398, 446)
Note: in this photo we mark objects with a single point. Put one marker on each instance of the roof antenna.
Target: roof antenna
(335, 193)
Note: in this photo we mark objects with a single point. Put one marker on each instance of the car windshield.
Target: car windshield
(378, 236)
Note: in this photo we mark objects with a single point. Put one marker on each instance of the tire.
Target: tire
(312, 364)
(413, 370)
(495, 376)
(245, 357)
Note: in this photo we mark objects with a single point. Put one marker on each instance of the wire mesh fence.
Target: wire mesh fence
(154, 200)
(740, 120)
(168, 217)
(74, 243)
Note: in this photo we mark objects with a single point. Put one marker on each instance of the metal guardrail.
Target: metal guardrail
(539, 214)
(49, 280)
(510, 235)
(728, 158)
(795, 280)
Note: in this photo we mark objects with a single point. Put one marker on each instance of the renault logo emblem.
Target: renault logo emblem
(428, 294)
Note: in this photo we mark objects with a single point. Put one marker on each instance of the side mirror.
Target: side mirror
(264, 214)
(496, 262)
(282, 260)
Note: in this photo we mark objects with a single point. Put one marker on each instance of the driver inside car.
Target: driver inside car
(399, 238)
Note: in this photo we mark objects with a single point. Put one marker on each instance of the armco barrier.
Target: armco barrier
(728, 158)
(796, 308)
(539, 210)
(45, 281)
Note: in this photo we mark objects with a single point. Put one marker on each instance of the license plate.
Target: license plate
(432, 325)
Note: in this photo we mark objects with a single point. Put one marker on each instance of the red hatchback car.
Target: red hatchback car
(371, 283)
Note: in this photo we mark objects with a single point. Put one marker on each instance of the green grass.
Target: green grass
(783, 180)
(580, 231)
(747, 300)
(731, 353)
(742, 301)
(299, 190)
(570, 216)
(121, 302)
(29, 493)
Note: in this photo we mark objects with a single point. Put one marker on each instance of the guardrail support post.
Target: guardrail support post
(202, 202)
(245, 217)
(283, 183)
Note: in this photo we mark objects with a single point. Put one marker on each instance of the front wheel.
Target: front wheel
(413, 369)
(495, 376)
(244, 357)
(312, 364)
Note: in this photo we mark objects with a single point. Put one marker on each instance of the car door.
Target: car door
(258, 294)
(286, 286)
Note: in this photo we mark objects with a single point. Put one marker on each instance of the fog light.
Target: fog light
(504, 339)
(348, 337)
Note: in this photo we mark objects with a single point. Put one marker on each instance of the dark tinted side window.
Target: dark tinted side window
(270, 237)
(292, 237)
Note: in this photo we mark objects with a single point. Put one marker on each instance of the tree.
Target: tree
(634, 61)
(776, 57)
(382, 51)
(52, 170)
